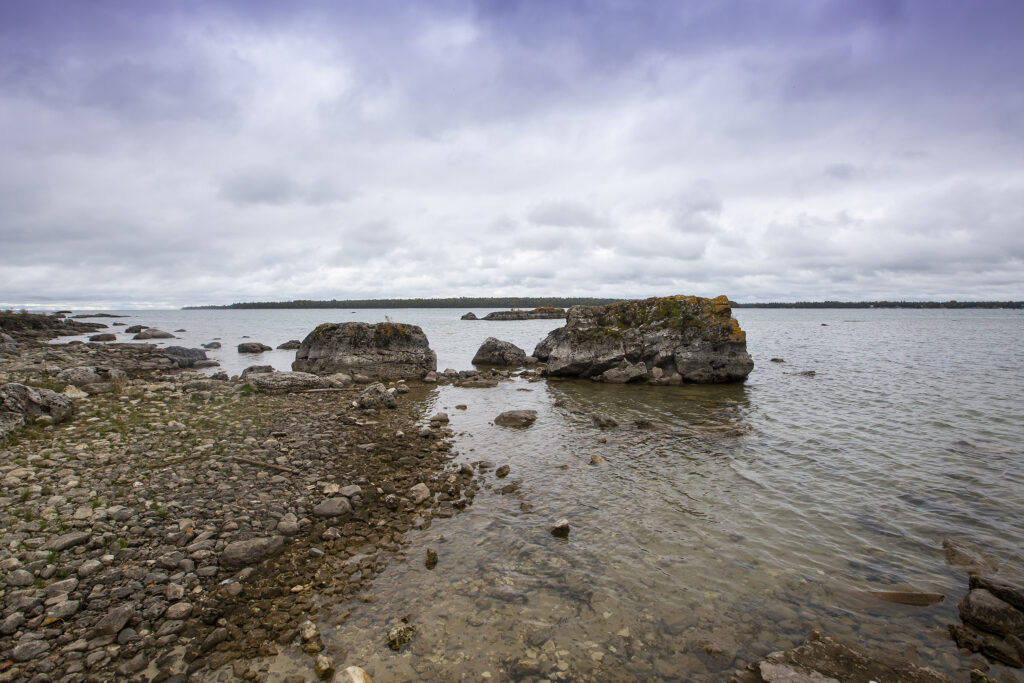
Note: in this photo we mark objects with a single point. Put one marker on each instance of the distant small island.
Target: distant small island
(566, 302)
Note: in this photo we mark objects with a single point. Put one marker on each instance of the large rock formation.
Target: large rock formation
(21, 405)
(664, 340)
(542, 313)
(381, 351)
(497, 352)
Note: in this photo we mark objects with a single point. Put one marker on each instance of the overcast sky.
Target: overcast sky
(173, 153)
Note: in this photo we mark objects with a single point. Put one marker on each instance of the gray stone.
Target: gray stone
(184, 358)
(377, 396)
(541, 313)
(27, 650)
(152, 333)
(290, 345)
(113, 621)
(89, 567)
(1005, 591)
(497, 352)
(419, 493)
(665, 340)
(104, 337)
(179, 610)
(469, 316)
(516, 418)
(984, 610)
(63, 610)
(212, 345)
(28, 403)
(256, 369)
(11, 623)
(333, 507)
(561, 528)
(19, 578)
(253, 347)
(251, 551)
(351, 490)
(383, 351)
(283, 382)
(68, 540)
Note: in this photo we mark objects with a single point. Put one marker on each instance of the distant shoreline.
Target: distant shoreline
(525, 302)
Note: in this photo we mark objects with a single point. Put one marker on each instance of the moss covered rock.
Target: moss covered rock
(663, 340)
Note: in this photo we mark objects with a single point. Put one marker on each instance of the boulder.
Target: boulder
(104, 337)
(212, 345)
(20, 405)
(664, 340)
(135, 329)
(283, 382)
(982, 609)
(153, 333)
(1005, 591)
(497, 352)
(377, 396)
(253, 347)
(290, 345)
(184, 358)
(469, 316)
(333, 507)
(256, 369)
(542, 313)
(91, 379)
(8, 345)
(251, 551)
(516, 418)
(381, 351)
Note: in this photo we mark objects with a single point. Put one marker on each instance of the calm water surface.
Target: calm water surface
(744, 517)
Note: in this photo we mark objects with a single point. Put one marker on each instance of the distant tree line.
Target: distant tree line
(887, 304)
(452, 302)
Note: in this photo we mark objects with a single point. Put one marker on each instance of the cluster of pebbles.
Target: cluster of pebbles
(177, 523)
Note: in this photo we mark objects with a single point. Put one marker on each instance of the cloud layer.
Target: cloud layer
(198, 152)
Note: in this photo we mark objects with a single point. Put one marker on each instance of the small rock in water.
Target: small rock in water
(308, 630)
(502, 471)
(431, 558)
(516, 418)
(596, 460)
(400, 635)
(324, 666)
(354, 674)
(561, 528)
(603, 421)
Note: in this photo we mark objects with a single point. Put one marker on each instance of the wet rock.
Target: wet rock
(382, 351)
(400, 635)
(469, 316)
(290, 345)
(984, 610)
(1008, 650)
(516, 418)
(255, 369)
(283, 382)
(152, 333)
(308, 630)
(603, 421)
(664, 340)
(431, 561)
(561, 529)
(353, 674)
(212, 345)
(377, 396)
(183, 357)
(103, 337)
(419, 493)
(333, 507)
(251, 551)
(253, 347)
(596, 459)
(1005, 591)
(439, 418)
(323, 666)
(959, 554)
(778, 360)
(502, 471)
(497, 352)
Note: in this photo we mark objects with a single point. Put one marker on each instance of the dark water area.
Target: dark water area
(723, 522)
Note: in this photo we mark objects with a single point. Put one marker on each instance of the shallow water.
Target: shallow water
(745, 516)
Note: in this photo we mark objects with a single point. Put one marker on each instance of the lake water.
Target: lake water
(746, 516)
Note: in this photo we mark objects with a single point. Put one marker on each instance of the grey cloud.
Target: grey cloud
(566, 214)
(259, 186)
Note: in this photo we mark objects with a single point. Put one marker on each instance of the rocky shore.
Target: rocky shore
(178, 524)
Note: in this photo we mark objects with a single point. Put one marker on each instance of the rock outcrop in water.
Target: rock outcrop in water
(542, 313)
(497, 352)
(380, 351)
(664, 340)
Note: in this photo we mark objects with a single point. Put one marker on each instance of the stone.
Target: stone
(251, 551)
(497, 352)
(103, 337)
(20, 404)
(212, 345)
(283, 382)
(384, 351)
(561, 529)
(982, 609)
(431, 561)
(91, 379)
(377, 396)
(541, 313)
(8, 345)
(135, 329)
(253, 347)
(308, 630)
(179, 610)
(333, 507)
(152, 333)
(256, 369)
(184, 358)
(113, 621)
(684, 338)
(502, 471)
(419, 493)
(89, 567)
(603, 421)
(323, 666)
(29, 649)
(353, 674)
(290, 345)
(1007, 592)
(440, 418)
(400, 635)
(516, 418)
(68, 540)
(20, 578)
(469, 316)
(63, 609)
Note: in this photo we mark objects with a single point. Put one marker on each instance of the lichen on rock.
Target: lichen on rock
(662, 340)
(379, 351)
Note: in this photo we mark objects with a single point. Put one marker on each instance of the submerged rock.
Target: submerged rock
(497, 352)
(664, 340)
(380, 351)
(253, 347)
(516, 418)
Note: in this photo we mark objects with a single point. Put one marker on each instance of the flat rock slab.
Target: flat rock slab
(251, 551)
(333, 507)
(68, 540)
